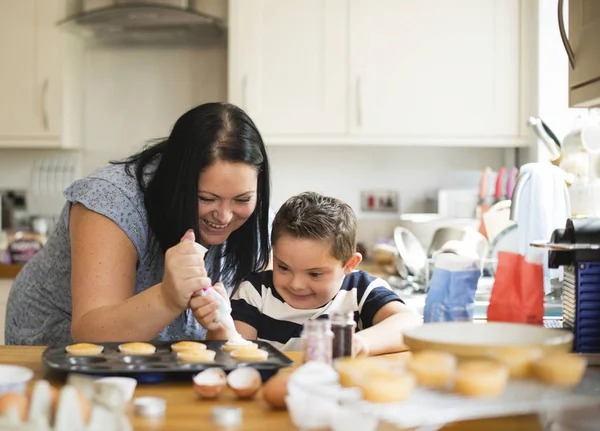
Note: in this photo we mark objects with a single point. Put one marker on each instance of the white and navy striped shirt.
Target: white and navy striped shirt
(258, 304)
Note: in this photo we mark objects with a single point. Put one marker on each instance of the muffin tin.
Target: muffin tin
(111, 361)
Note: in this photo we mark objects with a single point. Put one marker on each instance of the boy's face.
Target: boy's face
(305, 274)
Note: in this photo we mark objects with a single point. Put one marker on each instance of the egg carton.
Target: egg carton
(316, 400)
(107, 408)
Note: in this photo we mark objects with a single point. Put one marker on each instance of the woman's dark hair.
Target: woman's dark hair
(200, 137)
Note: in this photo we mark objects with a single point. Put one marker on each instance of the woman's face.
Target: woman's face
(226, 198)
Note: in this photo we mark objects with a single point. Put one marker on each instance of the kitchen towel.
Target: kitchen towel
(451, 293)
(543, 206)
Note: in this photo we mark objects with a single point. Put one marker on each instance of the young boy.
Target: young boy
(314, 262)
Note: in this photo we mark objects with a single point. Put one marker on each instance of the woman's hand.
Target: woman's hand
(184, 273)
(205, 308)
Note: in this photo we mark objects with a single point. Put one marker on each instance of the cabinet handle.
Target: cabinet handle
(563, 34)
(45, 121)
(245, 92)
(358, 102)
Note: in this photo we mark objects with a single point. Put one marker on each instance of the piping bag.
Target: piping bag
(224, 310)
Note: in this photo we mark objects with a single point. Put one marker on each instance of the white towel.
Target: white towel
(543, 207)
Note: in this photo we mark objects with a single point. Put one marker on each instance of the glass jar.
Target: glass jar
(317, 341)
(342, 326)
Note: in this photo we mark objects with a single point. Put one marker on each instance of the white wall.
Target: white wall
(135, 93)
(416, 173)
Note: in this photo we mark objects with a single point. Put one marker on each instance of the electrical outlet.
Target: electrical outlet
(379, 200)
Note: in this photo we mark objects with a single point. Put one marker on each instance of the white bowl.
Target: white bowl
(125, 384)
(14, 378)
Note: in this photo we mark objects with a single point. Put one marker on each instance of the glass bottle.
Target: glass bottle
(342, 326)
(317, 341)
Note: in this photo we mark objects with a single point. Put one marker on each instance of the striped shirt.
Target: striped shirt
(258, 304)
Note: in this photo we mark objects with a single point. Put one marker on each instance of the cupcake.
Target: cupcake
(433, 369)
(187, 345)
(137, 348)
(239, 344)
(84, 349)
(481, 378)
(249, 354)
(562, 369)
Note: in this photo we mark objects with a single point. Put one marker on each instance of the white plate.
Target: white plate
(468, 339)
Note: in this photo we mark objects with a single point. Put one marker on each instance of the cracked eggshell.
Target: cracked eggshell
(244, 381)
(210, 382)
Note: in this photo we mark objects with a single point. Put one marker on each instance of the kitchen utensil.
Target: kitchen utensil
(112, 362)
(424, 225)
(464, 234)
(575, 248)
(411, 259)
(510, 182)
(546, 135)
(473, 340)
(482, 204)
(496, 219)
(499, 190)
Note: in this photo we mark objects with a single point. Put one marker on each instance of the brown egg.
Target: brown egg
(275, 390)
(210, 382)
(16, 401)
(244, 381)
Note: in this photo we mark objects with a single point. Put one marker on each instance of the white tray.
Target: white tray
(427, 407)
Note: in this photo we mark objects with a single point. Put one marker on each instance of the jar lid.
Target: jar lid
(226, 415)
(150, 406)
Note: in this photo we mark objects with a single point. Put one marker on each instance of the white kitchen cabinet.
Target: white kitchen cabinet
(435, 69)
(584, 39)
(288, 65)
(39, 89)
(397, 72)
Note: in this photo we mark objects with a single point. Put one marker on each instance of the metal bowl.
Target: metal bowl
(464, 234)
(411, 258)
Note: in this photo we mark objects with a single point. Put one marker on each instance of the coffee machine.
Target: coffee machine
(576, 249)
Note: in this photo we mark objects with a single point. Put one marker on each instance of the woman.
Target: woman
(116, 267)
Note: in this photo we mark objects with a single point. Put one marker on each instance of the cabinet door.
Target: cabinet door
(584, 37)
(435, 70)
(22, 90)
(30, 77)
(288, 65)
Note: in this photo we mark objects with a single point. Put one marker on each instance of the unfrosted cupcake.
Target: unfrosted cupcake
(187, 345)
(84, 349)
(249, 354)
(137, 348)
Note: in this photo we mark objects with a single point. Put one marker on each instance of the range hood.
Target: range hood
(135, 18)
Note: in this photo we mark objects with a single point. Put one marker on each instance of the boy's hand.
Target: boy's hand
(205, 308)
(360, 346)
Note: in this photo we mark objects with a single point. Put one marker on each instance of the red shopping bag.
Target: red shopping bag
(518, 291)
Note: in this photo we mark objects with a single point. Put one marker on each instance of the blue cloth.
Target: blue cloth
(451, 295)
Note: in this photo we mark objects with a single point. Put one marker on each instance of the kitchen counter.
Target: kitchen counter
(9, 271)
(186, 412)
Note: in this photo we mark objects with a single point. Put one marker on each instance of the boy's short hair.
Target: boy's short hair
(314, 216)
